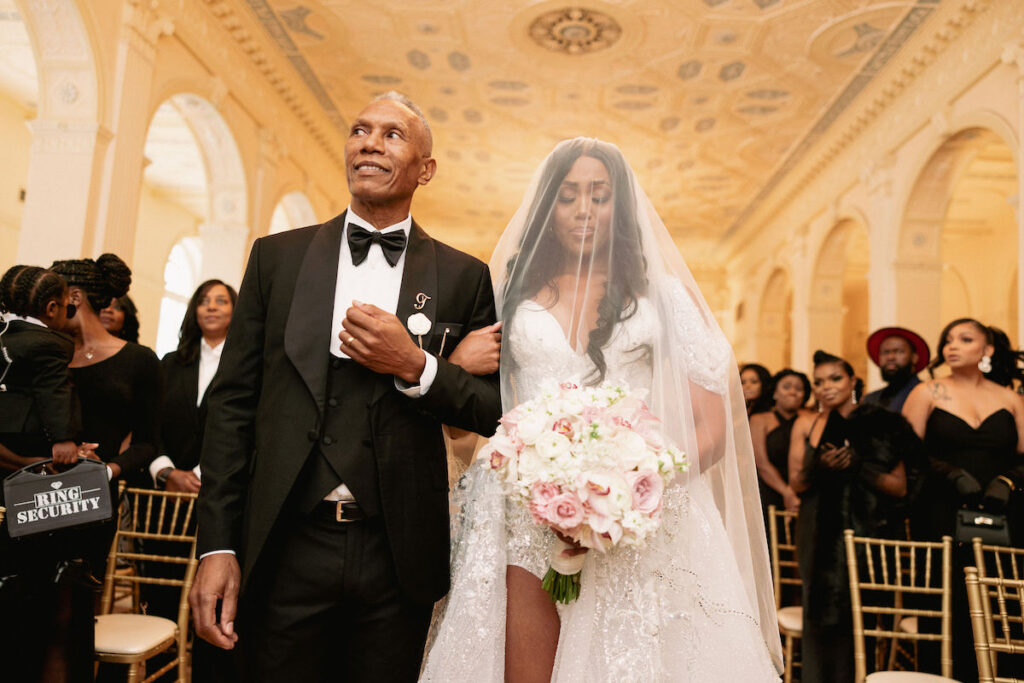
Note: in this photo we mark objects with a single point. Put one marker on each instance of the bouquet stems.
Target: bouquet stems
(563, 588)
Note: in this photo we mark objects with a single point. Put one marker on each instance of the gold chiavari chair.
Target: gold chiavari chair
(878, 576)
(785, 572)
(997, 579)
(134, 638)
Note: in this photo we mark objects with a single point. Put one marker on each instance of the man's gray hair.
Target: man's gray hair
(396, 96)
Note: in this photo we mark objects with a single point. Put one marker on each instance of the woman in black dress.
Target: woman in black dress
(118, 382)
(850, 466)
(770, 433)
(754, 379)
(972, 423)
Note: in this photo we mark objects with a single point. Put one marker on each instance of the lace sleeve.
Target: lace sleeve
(706, 350)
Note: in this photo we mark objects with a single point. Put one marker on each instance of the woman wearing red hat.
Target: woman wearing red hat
(972, 423)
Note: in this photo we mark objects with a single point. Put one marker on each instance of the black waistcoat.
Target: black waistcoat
(344, 451)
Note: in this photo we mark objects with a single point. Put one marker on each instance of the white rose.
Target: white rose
(418, 324)
(531, 426)
(552, 446)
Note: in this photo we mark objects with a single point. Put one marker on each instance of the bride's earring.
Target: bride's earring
(985, 364)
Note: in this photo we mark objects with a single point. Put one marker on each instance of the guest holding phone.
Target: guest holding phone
(850, 467)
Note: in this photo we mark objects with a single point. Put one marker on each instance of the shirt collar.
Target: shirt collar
(211, 350)
(11, 317)
(351, 217)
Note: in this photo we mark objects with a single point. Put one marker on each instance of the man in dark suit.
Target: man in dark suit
(323, 462)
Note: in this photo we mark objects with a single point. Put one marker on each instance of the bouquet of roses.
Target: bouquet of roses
(588, 462)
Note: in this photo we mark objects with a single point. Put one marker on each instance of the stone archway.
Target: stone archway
(68, 140)
(958, 240)
(774, 323)
(194, 197)
(293, 211)
(838, 312)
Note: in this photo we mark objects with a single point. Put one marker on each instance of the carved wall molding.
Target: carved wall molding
(212, 27)
(887, 93)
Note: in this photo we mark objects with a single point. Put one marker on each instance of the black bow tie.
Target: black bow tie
(359, 241)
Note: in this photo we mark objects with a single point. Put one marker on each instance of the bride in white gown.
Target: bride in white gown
(591, 288)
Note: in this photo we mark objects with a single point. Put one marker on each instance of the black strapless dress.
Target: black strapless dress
(777, 446)
(985, 452)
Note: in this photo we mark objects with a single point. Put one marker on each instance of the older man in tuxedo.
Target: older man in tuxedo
(323, 516)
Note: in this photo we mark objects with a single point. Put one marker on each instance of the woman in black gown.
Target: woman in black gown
(118, 382)
(850, 465)
(770, 433)
(972, 423)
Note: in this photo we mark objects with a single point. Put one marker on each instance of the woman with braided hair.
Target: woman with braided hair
(51, 639)
(119, 382)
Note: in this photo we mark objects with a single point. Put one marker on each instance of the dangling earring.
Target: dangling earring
(853, 397)
(985, 364)
(820, 408)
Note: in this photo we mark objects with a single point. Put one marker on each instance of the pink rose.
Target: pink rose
(566, 386)
(647, 488)
(565, 511)
(541, 494)
(563, 427)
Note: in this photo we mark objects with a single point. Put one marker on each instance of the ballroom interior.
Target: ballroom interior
(826, 167)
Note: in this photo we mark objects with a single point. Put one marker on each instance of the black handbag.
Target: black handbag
(990, 527)
(40, 503)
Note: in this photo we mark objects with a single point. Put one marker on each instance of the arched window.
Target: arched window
(181, 277)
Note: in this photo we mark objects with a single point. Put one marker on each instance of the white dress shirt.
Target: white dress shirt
(209, 360)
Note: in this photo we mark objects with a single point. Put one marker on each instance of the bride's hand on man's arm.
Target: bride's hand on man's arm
(479, 351)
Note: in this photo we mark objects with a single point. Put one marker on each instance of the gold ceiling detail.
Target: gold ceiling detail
(712, 101)
(575, 30)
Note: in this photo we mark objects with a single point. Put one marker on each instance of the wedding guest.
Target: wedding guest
(121, 319)
(118, 382)
(46, 630)
(188, 371)
(850, 466)
(900, 354)
(754, 379)
(972, 423)
(770, 433)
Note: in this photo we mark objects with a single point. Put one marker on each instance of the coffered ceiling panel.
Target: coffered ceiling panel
(707, 98)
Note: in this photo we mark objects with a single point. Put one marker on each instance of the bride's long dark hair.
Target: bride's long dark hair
(627, 279)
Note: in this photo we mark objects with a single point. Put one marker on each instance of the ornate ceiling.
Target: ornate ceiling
(710, 100)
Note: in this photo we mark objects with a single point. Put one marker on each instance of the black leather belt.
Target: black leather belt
(340, 511)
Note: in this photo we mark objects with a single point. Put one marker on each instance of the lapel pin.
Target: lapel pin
(421, 301)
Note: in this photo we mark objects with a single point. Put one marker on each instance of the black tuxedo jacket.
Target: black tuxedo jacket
(38, 407)
(181, 420)
(266, 404)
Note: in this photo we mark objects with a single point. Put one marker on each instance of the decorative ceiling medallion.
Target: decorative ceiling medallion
(575, 31)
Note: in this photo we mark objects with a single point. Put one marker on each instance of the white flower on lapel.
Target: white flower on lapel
(418, 324)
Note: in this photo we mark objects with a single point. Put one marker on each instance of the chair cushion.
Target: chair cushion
(792, 619)
(131, 634)
(908, 624)
(905, 677)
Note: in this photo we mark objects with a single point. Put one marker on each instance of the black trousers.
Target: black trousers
(327, 607)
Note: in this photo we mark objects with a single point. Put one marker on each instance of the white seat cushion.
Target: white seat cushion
(908, 624)
(906, 677)
(792, 619)
(132, 634)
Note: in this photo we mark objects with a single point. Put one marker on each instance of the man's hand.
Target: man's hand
(479, 351)
(65, 453)
(379, 341)
(217, 578)
(184, 481)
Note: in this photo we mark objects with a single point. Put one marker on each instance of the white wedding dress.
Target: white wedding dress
(672, 610)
